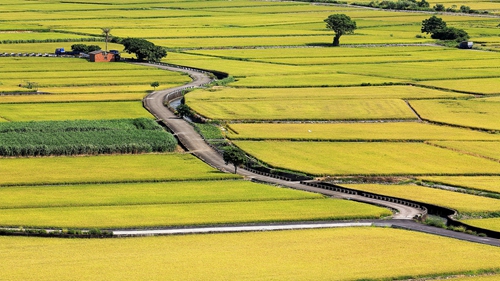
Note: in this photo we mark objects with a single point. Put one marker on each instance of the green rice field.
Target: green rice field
(490, 150)
(492, 224)
(491, 184)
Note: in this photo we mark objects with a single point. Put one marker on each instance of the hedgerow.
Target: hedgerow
(84, 137)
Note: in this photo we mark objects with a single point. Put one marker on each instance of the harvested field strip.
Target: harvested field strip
(486, 149)
(463, 203)
(341, 93)
(491, 184)
(305, 110)
(73, 111)
(145, 193)
(190, 214)
(491, 223)
(480, 86)
(256, 254)
(468, 113)
(369, 158)
(84, 137)
(60, 98)
(402, 131)
(106, 169)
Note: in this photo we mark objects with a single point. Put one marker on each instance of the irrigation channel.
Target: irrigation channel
(406, 210)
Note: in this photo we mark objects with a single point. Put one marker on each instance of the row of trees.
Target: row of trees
(421, 5)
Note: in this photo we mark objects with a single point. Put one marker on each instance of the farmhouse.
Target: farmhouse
(102, 56)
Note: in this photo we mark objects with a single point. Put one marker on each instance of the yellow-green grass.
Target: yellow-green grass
(342, 93)
(463, 203)
(38, 36)
(144, 193)
(489, 149)
(491, 184)
(477, 86)
(312, 80)
(355, 132)
(190, 214)
(71, 98)
(305, 109)
(492, 223)
(339, 52)
(284, 255)
(105, 169)
(470, 113)
(73, 111)
(367, 158)
(143, 89)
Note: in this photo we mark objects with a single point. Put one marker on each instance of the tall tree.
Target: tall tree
(432, 24)
(341, 24)
(106, 32)
(143, 49)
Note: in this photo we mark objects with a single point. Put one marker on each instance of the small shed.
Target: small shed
(102, 56)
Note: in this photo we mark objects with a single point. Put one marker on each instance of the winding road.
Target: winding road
(195, 144)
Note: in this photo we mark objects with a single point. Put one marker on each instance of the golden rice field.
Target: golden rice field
(469, 113)
(367, 158)
(358, 132)
(493, 224)
(71, 98)
(82, 195)
(106, 169)
(485, 86)
(467, 277)
(73, 111)
(463, 203)
(342, 93)
(258, 256)
(488, 149)
(161, 215)
(305, 110)
(491, 184)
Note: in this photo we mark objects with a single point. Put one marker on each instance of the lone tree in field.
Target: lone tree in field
(155, 84)
(341, 24)
(106, 33)
(234, 156)
(432, 24)
(143, 49)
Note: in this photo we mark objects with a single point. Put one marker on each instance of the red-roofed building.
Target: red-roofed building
(102, 56)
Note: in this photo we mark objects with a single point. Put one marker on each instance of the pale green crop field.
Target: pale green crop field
(356, 132)
(305, 110)
(259, 255)
(470, 113)
(22, 36)
(463, 203)
(367, 158)
(105, 169)
(157, 215)
(491, 184)
(17, 197)
(489, 149)
(340, 93)
(492, 224)
(73, 111)
(74, 97)
(478, 86)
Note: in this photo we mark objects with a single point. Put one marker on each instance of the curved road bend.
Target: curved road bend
(197, 146)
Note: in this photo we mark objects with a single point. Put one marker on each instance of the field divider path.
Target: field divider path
(195, 144)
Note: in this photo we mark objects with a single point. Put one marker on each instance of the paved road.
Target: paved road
(196, 145)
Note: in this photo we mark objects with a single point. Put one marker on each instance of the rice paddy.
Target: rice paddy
(491, 184)
(492, 224)
(258, 255)
(463, 203)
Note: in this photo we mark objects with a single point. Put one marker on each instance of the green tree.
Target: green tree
(184, 110)
(82, 48)
(341, 24)
(439, 7)
(450, 33)
(432, 24)
(234, 156)
(143, 49)
(155, 84)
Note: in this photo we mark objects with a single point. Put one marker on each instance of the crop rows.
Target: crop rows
(83, 137)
